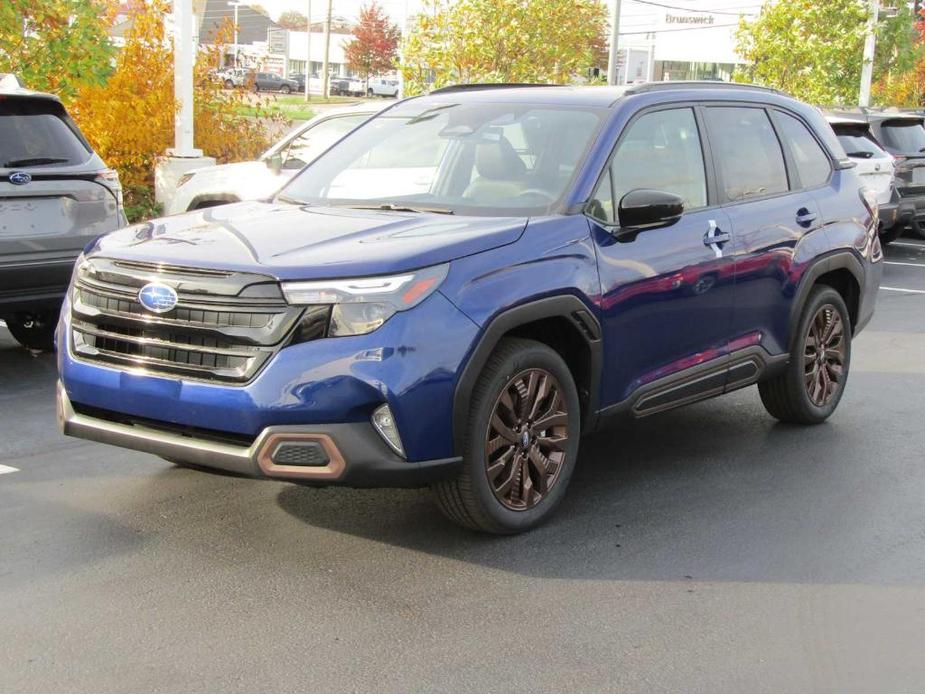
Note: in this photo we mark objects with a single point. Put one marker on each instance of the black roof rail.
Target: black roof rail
(487, 85)
(698, 84)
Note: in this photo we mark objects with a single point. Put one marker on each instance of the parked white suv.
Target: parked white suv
(876, 169)
(253, 180)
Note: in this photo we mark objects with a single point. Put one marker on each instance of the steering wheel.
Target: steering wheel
(536, 191)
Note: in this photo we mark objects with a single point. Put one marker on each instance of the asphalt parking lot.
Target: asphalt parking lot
(708, 549)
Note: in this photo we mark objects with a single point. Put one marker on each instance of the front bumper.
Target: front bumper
(350, 454)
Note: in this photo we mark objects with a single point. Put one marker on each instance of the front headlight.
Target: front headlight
(359, 306)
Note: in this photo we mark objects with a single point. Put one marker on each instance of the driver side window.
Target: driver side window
(660, 150)
(304, 148)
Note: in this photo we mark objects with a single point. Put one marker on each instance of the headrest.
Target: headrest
(498, 160)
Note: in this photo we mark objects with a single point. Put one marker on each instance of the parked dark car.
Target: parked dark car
(465, 284)
(271, 82)
(56, 196)
(902, 134)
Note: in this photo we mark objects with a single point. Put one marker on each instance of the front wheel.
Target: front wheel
(369, 93)
(34, 330)
(521, 441)
(888, 236)
(812, 386)
(284, 89)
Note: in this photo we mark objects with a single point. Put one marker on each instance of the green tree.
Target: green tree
(814, 50)
(56, 45)
(502, 41)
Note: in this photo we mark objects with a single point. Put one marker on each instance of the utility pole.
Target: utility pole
(870, 41)
(308, 50)
(614, 34)
(327, 50)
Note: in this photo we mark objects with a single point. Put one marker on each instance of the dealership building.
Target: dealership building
(662, 41)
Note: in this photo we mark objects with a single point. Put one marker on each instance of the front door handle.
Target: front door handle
(714, 238)
(805, 218)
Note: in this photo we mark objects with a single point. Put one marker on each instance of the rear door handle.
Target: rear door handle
(805, 218)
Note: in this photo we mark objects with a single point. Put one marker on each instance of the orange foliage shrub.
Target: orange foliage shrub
(129, 120)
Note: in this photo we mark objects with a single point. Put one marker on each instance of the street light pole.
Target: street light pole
(614, 34)
(308, 50)
(183, 79)
(870, 44)
(327, 50)
(235, 5)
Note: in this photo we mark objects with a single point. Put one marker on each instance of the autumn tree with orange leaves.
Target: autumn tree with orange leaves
(375, 43)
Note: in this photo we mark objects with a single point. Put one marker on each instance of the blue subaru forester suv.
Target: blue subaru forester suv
(461, 287)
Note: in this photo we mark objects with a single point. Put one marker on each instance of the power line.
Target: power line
(668, 31)
(695, 9)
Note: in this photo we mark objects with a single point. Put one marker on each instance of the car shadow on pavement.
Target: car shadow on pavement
(716, 491)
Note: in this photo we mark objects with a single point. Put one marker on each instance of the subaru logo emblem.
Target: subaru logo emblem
(157, 298)
(19, 178)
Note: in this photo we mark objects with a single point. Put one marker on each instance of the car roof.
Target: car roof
(847, 119)
(23, 93)
(589, 96)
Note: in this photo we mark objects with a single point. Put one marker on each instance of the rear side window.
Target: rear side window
(35, 132)
(661, 150)
(904, 135)
(747, 152)
(858, 143)
(813, 166)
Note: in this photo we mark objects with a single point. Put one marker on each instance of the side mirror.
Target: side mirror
(642, 209)
(275, 163)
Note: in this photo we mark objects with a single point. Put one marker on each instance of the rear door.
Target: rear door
(774, 216)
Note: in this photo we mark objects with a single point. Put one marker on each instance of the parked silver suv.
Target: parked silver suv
(56, 195)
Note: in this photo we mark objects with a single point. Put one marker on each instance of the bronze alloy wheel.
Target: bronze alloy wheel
(824, 355)
(527, 439)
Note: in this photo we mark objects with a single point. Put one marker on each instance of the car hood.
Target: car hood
(305, 242)
(237, 171)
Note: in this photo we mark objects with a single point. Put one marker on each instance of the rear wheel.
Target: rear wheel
(812, 386)
(521, 444)
(229, 84)
(369, 93)
(34, 330)
(285, 89)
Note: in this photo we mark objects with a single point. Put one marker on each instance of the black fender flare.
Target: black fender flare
(566, 306)
(839, 260)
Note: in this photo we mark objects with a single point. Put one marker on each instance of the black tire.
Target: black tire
(888, 236)
(34, 330)
(918, 230)
(789, 396)
(369, 93)
(285, 89)
(470, 499)
(229, 84)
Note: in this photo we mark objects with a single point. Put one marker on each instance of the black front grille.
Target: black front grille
(225, 326)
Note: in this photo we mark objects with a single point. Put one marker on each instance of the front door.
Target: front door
(666, 293)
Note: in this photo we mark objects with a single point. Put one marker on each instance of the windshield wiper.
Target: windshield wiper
(392, 207)
(34, 161)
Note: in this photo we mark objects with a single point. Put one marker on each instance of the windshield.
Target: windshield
(904, 135)
(480, 159)
(858, 144)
